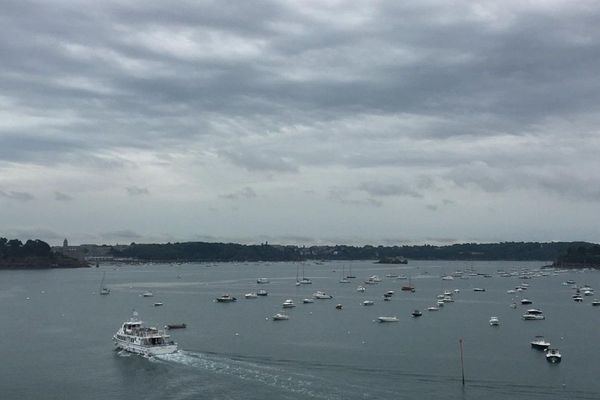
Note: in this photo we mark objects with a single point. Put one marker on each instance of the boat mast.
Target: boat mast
(462, 362)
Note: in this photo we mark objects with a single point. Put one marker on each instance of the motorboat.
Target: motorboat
(262, 280)
(477, 289)
(526, 301)
(494, 321)
(338, 307)
(308, 301)
(147, 294)
(448, 299)
(540, 343)
(251, 295)
(440, 303)
(104, 291)
(389, 292)
(511, 291)
(262, 292)
(553, 356)
(433, 308)
(533, 315)
(391, 275)
(226, 298)
(596, 303)
(158, 304)
(388, 319)
(289, 303)
(176, 326)
(136, 338)
(361, 289)
(416, 313)
(588, 292)
(577, 299)
(447, 278)
(387, 295)
(387, 298)
(280, 317)
(368, 303)
(322, 295)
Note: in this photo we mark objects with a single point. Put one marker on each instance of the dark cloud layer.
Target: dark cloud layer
(367, 102)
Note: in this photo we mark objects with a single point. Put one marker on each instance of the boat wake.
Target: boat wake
(298, 383)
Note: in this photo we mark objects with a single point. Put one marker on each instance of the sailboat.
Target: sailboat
(343, 278)
(409, 287)
(350, 276)
(103, 290)
(304, 280)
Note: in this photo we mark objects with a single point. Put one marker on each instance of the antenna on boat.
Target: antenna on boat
(462, 362)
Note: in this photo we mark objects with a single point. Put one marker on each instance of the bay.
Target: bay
(57, 330)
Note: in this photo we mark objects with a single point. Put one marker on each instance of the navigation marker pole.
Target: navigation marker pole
(462, 362)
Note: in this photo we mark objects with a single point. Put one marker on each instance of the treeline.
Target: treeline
(580, 255)
(15, 248)
(33, 254)
(203, 251)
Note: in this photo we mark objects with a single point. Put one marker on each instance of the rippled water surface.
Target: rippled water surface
(56, 334)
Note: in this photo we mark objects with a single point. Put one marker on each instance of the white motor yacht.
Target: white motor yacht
(308, 301)
(553, 356)
(134, 337)
(533, 315)
(526, 301)
(540, 343)
(289, 303)
(494, 321)
(322, 295)
(388, 319)
(147, 294)
(251, 295)
(368, 303)
(280, 317)
(433, 308)
(226, 298)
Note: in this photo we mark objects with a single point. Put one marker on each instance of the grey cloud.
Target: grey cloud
(59, 196)
(125, 234)
(388, 189)
(345, 196)
(245, 193)
(260, 161)
(137, 191)
(17, 196)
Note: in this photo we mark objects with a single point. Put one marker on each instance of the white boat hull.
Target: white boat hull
(144, 350)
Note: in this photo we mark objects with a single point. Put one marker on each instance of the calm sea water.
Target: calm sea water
(56, 334)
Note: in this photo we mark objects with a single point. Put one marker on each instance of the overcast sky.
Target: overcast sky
(356, 122)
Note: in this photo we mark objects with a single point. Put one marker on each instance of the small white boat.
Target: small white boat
(289, 303)
(280, 317)
(308, 301)
(478, 289)
(344, 280)
(433, 308)
(533, 315)
(596, 302)
(553, 356)
(158, 304)
(226, 298)
(262, 280)
(447, 278)
(134, 337)
(147, 294)
(448, 299)
(361, 289)
(526, 301)
(305, 281)
(588, 292)
(388, 319)
(251, 295)
(322, 295)
(494, 321)
(368, 303)
(262, 292)
(511, 291)
(540, 343)
(416, 313)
